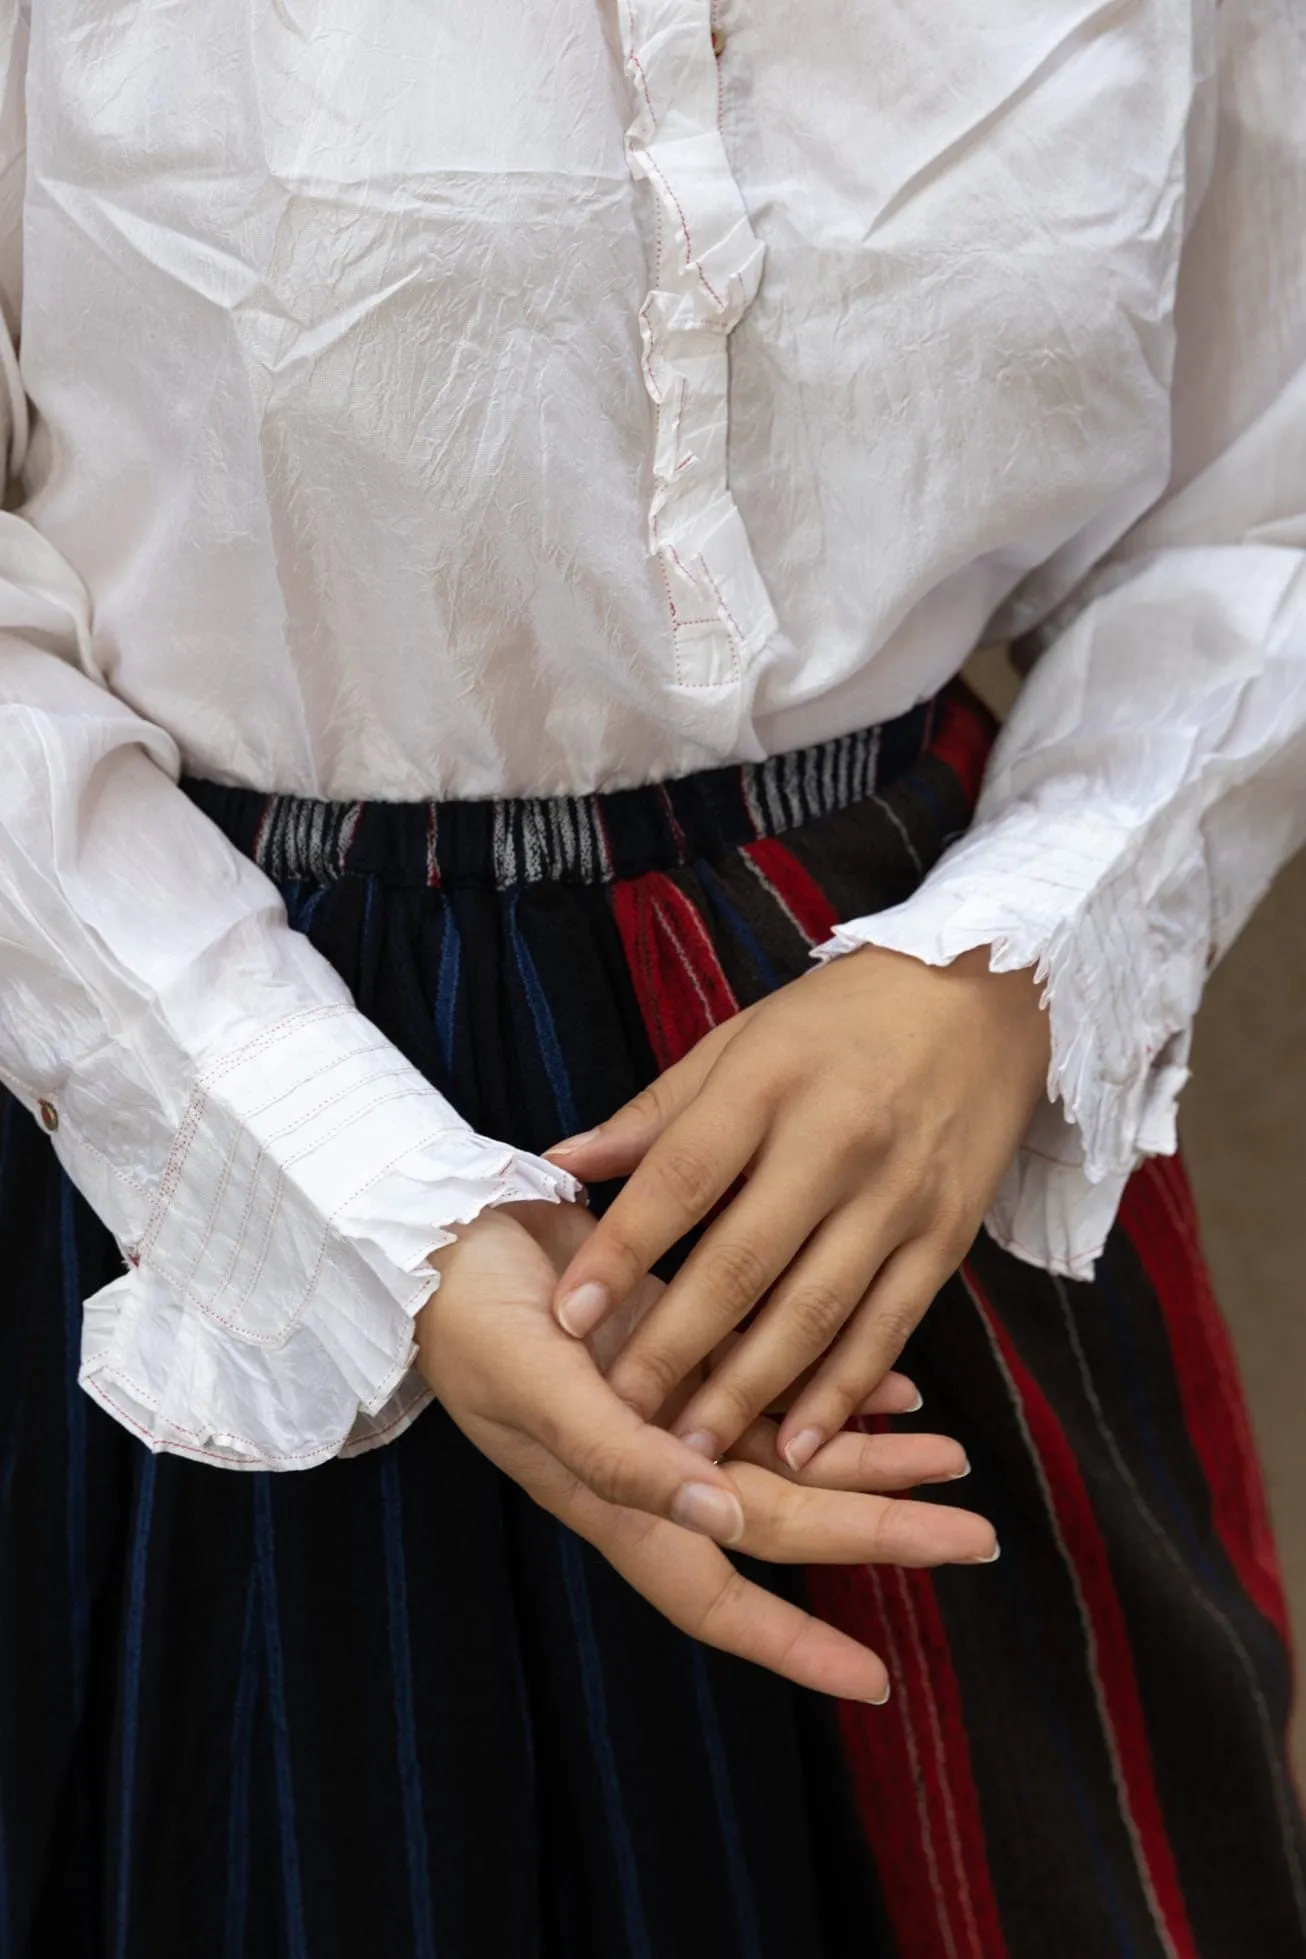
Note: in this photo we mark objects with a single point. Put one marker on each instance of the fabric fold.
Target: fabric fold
(208, 1347)
(708, 268)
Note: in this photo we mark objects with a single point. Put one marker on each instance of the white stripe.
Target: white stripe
(792, 791)
(936, 1731)
(502, 846)
(901, 828)
(829, 755)
(844, 757)
(917, 1779)
(751, 802)
(1091, 1656)
(1283, 1800)
(777, 897)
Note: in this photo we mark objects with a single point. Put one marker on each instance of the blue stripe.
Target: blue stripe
(741, 1890)
(242, 1738)
(75, 1413)
(1041, 1665)
(545, 1032)
(446, 989)
(8, 1120)
(416, 1846)
(918, 786)
(6, 1931)
(596, 1711)
(300, 910)
(133, 1637)
(1178, 1514)
(737, 925)
(8, 1117)
(265, 1556)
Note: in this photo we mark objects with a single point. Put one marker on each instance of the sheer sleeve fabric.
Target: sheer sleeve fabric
(275, 1173)
(1151, 778)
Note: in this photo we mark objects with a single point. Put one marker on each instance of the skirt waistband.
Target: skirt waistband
(591, 839)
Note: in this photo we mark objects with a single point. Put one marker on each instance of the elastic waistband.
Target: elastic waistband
(575, 839)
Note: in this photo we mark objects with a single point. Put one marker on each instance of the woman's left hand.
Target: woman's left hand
(870, 1108)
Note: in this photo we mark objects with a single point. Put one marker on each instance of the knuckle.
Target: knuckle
(622, 1251)
(878, 1531)
(817, 1312)
(895, 1322)
(643, 1108)
(651, 1375)
(736, 1400)
(604, 1467)
(840, 1397)
(717, 1609)
(683, 1172)
(737, 1270)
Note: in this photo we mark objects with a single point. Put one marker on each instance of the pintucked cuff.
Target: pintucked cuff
(1122, 956)
(266, 1317)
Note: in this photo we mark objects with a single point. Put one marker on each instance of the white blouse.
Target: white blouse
(409, 400)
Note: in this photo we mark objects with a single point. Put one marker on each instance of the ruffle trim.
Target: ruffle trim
(1122, 980)
(708, 268)
(340, 1381)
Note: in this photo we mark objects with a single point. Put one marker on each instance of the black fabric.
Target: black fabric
(388, 1707)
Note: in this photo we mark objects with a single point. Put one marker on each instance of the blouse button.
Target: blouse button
(718, 42)
(49, 1115)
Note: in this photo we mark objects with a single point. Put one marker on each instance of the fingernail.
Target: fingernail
(702, 1443)
(883, 1697)
(917, 1405)
(580, 1311)
(992, 1557)
(711, 1511)
(957, 1474)
(804, 1446)
(576, 1142)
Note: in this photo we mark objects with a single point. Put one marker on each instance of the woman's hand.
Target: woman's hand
(871, 1108)
(535, 1402)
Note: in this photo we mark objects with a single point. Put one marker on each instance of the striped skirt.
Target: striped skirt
(389, 1708)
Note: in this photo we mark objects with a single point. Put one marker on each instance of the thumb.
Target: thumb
(619, 1144)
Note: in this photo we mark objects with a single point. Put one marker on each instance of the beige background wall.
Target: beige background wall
(1243, 1130)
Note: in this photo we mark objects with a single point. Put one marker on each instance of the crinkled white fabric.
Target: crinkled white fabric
(414, 417)
(1152, 777)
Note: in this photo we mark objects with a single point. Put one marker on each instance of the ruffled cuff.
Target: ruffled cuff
(266, 1318)
(1123, 959)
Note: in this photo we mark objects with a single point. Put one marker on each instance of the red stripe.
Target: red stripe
(962, 738)
(799, 892)
(682, 991)
(911, 1767)
(1109, 1656)
(1160, 1220)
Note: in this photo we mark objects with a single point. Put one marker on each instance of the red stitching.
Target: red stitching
(738, 631)
(372, 1045)
(502, 1181)
(223, 1455)
(315, 1143)
(269, 1037)
(692, 264)
(638, 66)
(190, 1120)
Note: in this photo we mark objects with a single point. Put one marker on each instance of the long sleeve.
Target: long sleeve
(275, 1173)
(1152, 776)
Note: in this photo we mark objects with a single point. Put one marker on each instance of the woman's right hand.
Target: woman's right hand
(534, 1401)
